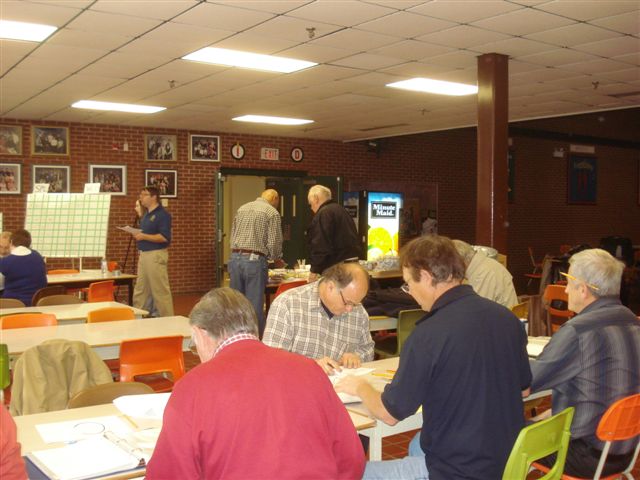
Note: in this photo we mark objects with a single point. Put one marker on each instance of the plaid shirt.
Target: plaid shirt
(591, 362)
(297, 322)
(256, 227)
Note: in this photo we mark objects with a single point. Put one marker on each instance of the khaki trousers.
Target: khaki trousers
(153, 281)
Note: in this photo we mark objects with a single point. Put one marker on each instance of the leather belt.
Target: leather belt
(245, 250)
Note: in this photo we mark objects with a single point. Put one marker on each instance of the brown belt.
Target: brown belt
(245, 250)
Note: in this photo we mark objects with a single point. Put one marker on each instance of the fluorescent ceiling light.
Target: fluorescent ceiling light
(255, 61)
(435, 86)
(117, 107)
(272, 120)
(32, 32)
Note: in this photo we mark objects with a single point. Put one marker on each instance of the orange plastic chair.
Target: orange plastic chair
(556, 293)
(152, 356)
(63, 271)
(110, 314)
(283, 287)
(26, 320)
(101, 292)
(620, 422)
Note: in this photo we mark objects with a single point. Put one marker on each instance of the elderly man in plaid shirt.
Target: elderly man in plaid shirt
(325, 320)
(256, 237)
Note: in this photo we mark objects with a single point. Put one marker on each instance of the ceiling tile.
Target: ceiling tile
(588, 10)
(124, 65)
(366, 61)
(623, 23)
(12, 52)
(463, 36)
(356, 39)
(631, 58)
(555, 58)
(250, 42)
(596, 66)
(523, 22)
(407, 25)
(412, 50)
(81, 38)
(416, 69)
(45, 13)
(163, 10)
(294, 29)
(124, 25)
(316, 53)
(630, 75)
(457, 59)
(464, 12)
(223, 17)
(514, 47)
(612, 47)
(269, 6)
(346, 13)
(573, 35)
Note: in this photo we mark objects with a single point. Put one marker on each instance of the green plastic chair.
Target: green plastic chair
(537, 441)
(406, 323)
(5, 377)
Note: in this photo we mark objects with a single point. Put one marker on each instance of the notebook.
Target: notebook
(89, 458)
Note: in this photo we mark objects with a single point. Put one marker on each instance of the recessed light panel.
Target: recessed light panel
(117, 107)
(272, 120)
(440, 87)
(254, 61)
(31, 32)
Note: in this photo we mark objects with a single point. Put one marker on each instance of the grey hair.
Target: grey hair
(320, 192)
(342, 274)
(599, 268)
(465, 250)
(224, 312)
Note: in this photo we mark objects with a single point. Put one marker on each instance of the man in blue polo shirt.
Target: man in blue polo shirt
(465, 364)
(153, 241)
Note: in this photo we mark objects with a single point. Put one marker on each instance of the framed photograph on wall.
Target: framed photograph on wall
(582, 179)
(58, 177)
(161, 148)
(10, 140)
(166, 181)
(112, 178)
(204, 148)
(49, 140)
(10, 178)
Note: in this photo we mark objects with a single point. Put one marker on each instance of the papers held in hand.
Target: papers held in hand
(89, 458)
(131, 230)
(336, 377)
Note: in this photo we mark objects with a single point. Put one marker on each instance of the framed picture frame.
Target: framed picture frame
(161, 148)
(10, 178)
(166, 181)
(582, 179)
(10, 140)
(47, 140)
(112, 178)
(57, 176)
(204, 148)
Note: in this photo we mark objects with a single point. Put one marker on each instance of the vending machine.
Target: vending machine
(379, 223)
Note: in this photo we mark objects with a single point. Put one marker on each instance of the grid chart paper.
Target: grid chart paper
(68, 224)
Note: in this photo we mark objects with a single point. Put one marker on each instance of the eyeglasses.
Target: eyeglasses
(576, 279)
(405, 287)
(348, 303)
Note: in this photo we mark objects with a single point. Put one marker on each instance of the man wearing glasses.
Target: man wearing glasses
(592, 361)
(325, 320)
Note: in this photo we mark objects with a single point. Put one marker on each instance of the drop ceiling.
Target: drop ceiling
(566, 57)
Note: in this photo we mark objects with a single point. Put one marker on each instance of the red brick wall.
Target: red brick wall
(539, 217)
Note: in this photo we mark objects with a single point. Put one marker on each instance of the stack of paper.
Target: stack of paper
(337, 376)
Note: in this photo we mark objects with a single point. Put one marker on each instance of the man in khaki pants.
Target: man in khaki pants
(153, 241)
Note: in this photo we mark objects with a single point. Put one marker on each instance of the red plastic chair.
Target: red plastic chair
(110, 314)
(26, 320)
(620, 422)
(536, 273)
(284, 286)
(101, 292)
(152, 356)
(63, 271)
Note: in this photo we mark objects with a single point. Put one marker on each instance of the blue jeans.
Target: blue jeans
(250, 277)
(407, 468)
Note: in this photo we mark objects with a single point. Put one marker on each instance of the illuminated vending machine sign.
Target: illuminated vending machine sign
(384, 223)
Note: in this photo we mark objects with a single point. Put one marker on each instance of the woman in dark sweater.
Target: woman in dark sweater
(23, 269)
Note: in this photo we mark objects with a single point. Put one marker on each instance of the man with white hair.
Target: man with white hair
(332, 235)
(592, 361)
(487, 276)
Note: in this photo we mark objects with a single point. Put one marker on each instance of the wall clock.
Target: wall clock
(237, 151)
(297, 154)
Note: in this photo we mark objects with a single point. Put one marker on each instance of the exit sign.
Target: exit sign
(269, 154)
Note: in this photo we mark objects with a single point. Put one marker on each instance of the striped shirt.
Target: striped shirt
(297, 322)
(256, 227)
(591, 362)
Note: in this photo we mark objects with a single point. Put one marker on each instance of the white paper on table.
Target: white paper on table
(74, 430)
(337, 376)
(150, 405)
(131, 230)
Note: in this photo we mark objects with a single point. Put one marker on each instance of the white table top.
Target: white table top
(96, 334)
(76, 311)
(85, 276)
